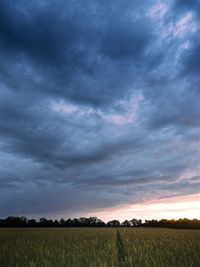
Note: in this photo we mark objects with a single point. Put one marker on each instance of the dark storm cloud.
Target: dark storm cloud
(191, 65)
(122, 42)
(187, 4)
(78, 45)
(99, 105)
(176, 107)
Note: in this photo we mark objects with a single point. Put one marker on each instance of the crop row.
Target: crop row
(88, 247)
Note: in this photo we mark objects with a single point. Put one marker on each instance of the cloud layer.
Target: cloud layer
(99, 104)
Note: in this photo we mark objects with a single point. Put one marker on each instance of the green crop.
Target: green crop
(87, 247)
(161, 247)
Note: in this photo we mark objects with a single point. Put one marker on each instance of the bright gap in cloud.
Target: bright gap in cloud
(169, 208)
(183, 26)
(128, 111)
(158, 11)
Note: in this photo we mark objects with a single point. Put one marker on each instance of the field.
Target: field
(99, 247)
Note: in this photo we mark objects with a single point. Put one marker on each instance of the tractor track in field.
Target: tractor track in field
(122, 255)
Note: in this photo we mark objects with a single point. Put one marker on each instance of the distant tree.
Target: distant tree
(32, 223)
(43, 222)
(126, 223)
(62, 222)
(83, 221)
(69, 222)
(135, 222)
(56, 223)
(13, 221)
(94, 222)
(75, 222)
(100, 223)
(113, 223)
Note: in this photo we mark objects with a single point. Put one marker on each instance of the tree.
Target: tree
(113, 223)
(126, 223)
(135, 222)
(62, 222)
(32, 222)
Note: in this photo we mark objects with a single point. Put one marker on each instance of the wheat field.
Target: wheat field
(109, 247)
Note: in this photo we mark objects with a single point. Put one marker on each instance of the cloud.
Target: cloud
(185, 5)
(98, 108)
(73, 55)
(158, 11)
(191, 65)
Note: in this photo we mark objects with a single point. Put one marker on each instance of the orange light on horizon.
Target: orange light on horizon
(168, 208)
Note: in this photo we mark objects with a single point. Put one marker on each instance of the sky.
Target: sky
(100, 109)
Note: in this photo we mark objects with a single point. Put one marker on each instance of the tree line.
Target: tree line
(13, 221)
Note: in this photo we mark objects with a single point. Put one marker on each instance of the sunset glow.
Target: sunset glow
(173, 208)
(100, 109)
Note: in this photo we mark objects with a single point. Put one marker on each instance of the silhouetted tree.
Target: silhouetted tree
(12, 221)
(62, 222)
(135, 222)
(32, 223)
(125, 223)
(113, 223)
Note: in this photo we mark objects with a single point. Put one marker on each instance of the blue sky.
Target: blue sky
(99, 107)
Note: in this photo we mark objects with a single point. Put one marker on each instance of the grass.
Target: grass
(162, 247)
(87, 247)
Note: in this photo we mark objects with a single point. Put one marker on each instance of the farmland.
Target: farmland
(99, 247)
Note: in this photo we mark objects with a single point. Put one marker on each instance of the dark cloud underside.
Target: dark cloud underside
(99, 104)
